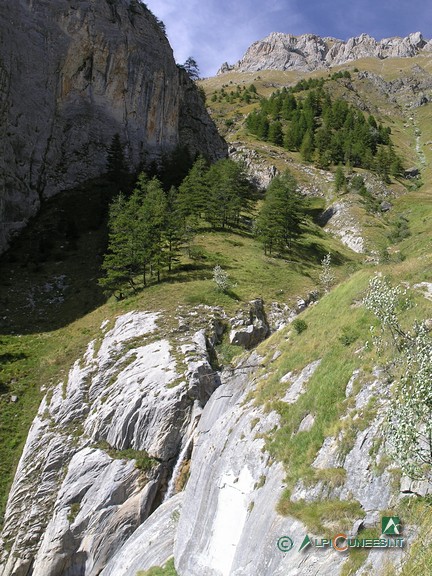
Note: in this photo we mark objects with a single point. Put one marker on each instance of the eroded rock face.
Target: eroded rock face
(78, 507)
(248, 331)
(152, 544)
(76, 497)
(309, 52)
(72, 75)
(260, 171)
(228, 523)
(340, 222)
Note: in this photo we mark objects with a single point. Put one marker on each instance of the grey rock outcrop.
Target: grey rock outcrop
(249, 331)
(74, 74)
(260, 172)
(77, 497)
(340, 221)
(297, 382)
(225, 523)
(79, 507)
(309, 52)
(152, 544)
(228, 524)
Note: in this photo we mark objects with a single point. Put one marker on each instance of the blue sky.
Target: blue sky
(215, 31)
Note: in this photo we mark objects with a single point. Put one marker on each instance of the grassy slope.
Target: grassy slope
(37, 349)
(337, 315)
(53, 341)
(360, 92)
(167, 570)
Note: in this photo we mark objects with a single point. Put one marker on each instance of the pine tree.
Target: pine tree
(382, 164)
(307, 146)
(228, 193)
(174, 230)
(117, 168)
(121, 260)
(193, 192)
(136, 237)
(152, 218)
(275, 134)
(191, 67)
(282, 215)
(174, 167)
(263, 128)
(340, 180)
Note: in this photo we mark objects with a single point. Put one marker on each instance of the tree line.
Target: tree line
(149, 228)
(325, 131)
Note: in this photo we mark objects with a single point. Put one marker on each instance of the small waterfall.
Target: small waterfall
(176, 472)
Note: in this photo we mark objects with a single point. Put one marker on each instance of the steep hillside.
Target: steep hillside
(72, 75)
(396, 91)
(186, 429)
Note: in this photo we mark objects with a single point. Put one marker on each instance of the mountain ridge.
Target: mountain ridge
(309, 52)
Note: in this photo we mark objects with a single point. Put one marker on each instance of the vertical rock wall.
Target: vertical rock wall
(73, 74)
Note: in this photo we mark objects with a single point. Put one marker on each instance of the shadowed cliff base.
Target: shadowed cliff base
(48, 277)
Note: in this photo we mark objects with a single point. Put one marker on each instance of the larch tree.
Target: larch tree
(282, 214)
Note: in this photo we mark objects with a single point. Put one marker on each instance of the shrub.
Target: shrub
(220, 278)
(408, 433)
(327, 278)
(299, 325)
(348, 336)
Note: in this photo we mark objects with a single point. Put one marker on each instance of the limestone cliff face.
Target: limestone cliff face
(80, 504)
(225, 522)
(309, 52)
(73, 74)
(77, 496)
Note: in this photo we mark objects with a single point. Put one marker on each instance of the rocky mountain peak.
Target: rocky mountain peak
(308, 52)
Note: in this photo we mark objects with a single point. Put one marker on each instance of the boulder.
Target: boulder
(412, 172)
(249, 332)
(385, 206)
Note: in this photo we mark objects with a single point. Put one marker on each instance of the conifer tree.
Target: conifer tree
(193, 192)
(340, 180)
(191, 67)
(174, 230)
(121, 261)
(136, 242)
(307, 146)
(228, 193)
(152, 218)
(117, 168)
(282, 214)
(275, 134)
